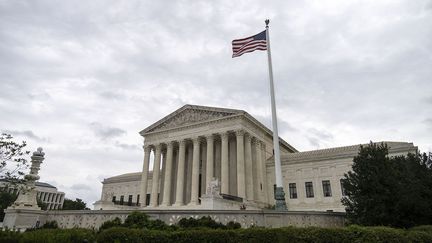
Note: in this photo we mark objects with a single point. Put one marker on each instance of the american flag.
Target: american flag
(249, 44)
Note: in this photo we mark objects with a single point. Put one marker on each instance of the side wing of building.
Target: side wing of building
(312, 179)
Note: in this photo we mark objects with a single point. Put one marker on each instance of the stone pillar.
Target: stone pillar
(162, 175)
(27, 198)
(195, 171)
(264, 174)
(224, 164)
(248, 167)
(180, 173)
(210, 160)
(144, 176)
(155, 180)
(241, 191)
(259, 172)
(167, 180)
(24, 213)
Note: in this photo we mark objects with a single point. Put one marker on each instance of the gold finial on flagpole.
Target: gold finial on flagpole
(267, 21)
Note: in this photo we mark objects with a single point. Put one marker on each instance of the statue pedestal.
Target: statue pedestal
(26, 200)
(22, 219)
(213, 202)
(24, 213)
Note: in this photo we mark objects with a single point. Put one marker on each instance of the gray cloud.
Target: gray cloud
(105, 132)
(351, 71)
(321, 135)
(26, 134)
(126, 146)
(81, 187)
(428, 100)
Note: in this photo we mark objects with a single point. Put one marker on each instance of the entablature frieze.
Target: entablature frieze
(217, 127)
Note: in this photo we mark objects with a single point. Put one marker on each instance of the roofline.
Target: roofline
(343, 152)
(172, 114)
(236, 113)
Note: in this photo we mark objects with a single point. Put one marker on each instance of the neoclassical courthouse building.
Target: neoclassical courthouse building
(217, 158)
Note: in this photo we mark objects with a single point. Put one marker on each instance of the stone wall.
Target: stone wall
(95, 218)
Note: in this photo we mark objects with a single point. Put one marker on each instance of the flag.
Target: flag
(249, 44)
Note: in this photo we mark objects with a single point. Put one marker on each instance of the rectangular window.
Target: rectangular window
(130, 200)
(293, 190)
(138, 198)
(121, 200)
(326, 188)
(114, 199)
(147, 199)
(342, 188)
(309, 189)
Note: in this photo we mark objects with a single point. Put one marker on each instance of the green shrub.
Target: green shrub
(204, 235)
(110, 223)
(50, 225)
(121, 234)
(203, 222)
(233, 225)
(424, 228)
(137, 220)
(8, 236)
(58, 235)
(141, 220)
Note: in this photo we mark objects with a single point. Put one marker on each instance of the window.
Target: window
(130, 200)
(147, 199)
(114, 199)
(309, 189)
(326, 188)
(342, 188)
(138, 198)
(293, 190)
(121, 200)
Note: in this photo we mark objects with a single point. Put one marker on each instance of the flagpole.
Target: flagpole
(279, 193)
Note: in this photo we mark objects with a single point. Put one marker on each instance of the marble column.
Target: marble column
(167, 180)
(195, 171)
(180, 173)
(144, 176)
(162, 176)
(259, 172)
(210, 161)
(264, 174)
(248, 167)
(155, 180)
(224, 164)
(241, 191)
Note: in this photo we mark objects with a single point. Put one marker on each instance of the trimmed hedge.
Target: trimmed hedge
(9, 236)
(49, 236)
(258, 235)
(262, 235)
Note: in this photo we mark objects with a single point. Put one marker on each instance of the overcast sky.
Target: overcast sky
(82, 78)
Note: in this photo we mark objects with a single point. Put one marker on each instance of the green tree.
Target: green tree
(78, 204)
(6, 199)
(13, 160)
(388, 191)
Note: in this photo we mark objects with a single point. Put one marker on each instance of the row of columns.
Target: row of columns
(247, 187)
(53, 200)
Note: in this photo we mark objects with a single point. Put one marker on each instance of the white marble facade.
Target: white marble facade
(196, 144)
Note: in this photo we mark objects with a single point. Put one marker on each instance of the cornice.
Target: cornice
(338, 153)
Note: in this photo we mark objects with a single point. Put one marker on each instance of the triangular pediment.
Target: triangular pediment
(188, 115)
